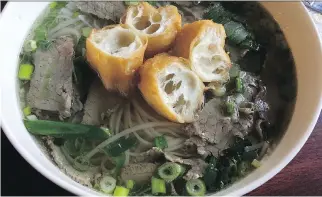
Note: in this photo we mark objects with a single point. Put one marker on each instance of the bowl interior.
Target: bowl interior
(300, 34)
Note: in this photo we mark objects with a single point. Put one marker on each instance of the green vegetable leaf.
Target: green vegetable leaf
(64, 129)
(120, 146)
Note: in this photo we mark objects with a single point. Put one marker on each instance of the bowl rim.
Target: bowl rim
(8, 94)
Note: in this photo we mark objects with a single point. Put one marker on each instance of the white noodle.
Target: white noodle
(118, 119)
(176, 147)
(140, 121)
(142, 112)
(124, 133)
(127, 158)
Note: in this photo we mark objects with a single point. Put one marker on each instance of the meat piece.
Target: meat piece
(198, 166)
(51, 87)
(58, 157)
(212, 126)
(203, 148)
(148, 156)
(99, 101)
(250, 83)
(261, 105)
(110, 10)
(140, 172)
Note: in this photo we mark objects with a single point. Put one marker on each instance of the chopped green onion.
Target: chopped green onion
(30, 46)
(32, 117)
(256, 163)
(230, 107)
(128, 3)
(158, 186)
(75, 14)
(160, 142)
(239, 85)
(121, 191)
(170, 171)
(130, 184)
(64, 129)
(195, 187)
(107, 184)
(86, 31)
(27, 111)
(53, 5)
(25, 71)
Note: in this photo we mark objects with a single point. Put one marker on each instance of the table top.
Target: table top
(302, 176)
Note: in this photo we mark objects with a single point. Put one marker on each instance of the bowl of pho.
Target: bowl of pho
(159, 97)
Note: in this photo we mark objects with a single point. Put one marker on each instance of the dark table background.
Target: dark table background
(302, 177)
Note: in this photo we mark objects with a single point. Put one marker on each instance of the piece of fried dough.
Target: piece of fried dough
(159, 25)
(171, 88)
(116, 52)
(202, 42)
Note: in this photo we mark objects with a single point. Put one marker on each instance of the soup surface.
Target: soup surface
(156, 98)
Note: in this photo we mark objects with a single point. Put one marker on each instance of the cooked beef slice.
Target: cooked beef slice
(51, 87)
(141, 172)
(99, 101)
(110, 10)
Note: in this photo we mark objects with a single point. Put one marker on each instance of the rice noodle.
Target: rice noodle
(127, 158)
(142, 112)
(118, 119)
(176, 147)
(124, 133)
(140, 121)
(167, 130)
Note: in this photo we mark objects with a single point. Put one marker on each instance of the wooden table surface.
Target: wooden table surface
(301, 177)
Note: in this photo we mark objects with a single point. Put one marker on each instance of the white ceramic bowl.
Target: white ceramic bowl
(301, 35)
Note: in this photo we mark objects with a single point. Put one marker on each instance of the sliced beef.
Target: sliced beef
(51, 87)
(140, 172)
(212, 126)
(110, 10)
(99, 101)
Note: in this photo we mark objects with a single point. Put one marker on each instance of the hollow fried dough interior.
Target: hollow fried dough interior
(209, 60)
(171, 88)
(202, 42)
(159, 25)
(118, 41)
(180, 89)
(116, 52)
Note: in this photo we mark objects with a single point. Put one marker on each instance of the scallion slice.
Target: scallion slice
(130, 184)
(25, 71)
(195, 187)
(107, 184)
(27, 111)
(160, 142)
(158, 186)
(121, 191)
(170, 171)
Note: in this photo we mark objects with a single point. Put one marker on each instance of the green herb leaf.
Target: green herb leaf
(64, 129)
(120, 146)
